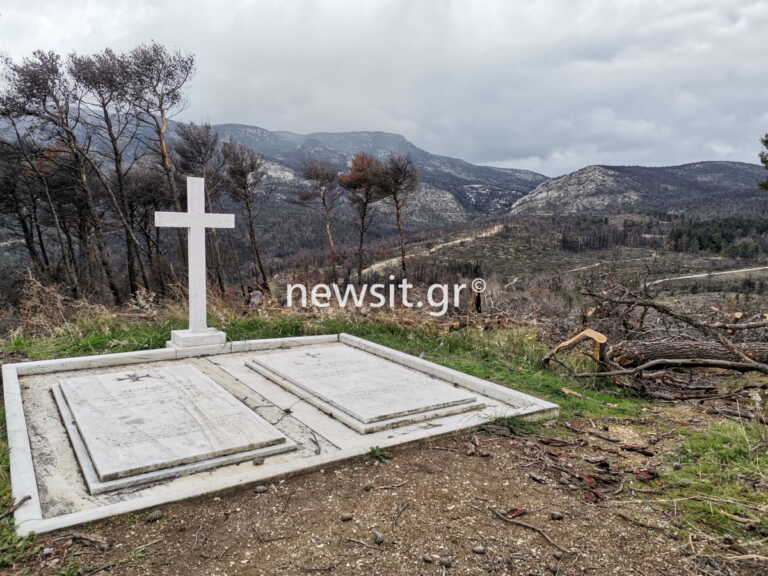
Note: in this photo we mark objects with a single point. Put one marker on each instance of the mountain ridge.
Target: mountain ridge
(478, 190)
(704, 188)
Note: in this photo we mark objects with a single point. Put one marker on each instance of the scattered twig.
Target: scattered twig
(15, 507)
(315, 569)
(637, 522)
(390, 486)
(361, 543)
(398, 512)
(536, 529)
(639, 448)
(573, 428)
(602, 436)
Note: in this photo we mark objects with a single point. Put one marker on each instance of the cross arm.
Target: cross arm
(171, 220)
(187, 220)
(219, 220)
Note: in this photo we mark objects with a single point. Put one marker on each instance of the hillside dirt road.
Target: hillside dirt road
(394, 262)
(707, 275)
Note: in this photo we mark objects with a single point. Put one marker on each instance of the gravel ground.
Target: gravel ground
(433, 508)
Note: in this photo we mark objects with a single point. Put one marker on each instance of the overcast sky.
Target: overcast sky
(549, 86)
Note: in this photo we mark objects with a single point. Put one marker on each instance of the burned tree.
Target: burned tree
(244, 171)
(112, 121)
(197, 151)
(323, 192)
(157, 79)
(22, 203)
(51, 103)
(363, 183)
(400, 181)
(80, 126)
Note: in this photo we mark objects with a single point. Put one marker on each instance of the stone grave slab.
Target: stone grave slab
(129, 428)
(363, 390)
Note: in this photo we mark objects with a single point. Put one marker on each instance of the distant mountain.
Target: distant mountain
(460, 189)
(702, 189)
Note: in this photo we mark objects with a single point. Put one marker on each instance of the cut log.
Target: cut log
(633, 354)
(588, 334)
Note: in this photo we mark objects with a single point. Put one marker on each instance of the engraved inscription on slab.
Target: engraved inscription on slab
(362, 385)
(140, 421)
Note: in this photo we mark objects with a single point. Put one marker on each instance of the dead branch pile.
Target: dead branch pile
(671, 353)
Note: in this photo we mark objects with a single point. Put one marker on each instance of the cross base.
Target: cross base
(194, 338)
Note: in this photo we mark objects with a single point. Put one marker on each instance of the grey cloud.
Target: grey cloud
(550, 86)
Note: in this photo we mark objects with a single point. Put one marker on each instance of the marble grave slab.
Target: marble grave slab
(363, 390)
(129, 428)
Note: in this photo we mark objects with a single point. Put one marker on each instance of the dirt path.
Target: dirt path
(598, 264)
(394, 262)
(708, 274)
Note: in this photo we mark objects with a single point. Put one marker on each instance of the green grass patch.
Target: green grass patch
(105, 335)
(722, 473)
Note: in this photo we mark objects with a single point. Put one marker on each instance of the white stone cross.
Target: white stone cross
(196, 220)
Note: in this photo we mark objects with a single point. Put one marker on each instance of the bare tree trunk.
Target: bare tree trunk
(361, 242)
(635, 353)
(101, 254)
(39, 233)
(29, 238)
(400, 231)
(132, 288)
(167, 165)
(329, 229)
(254, 244)
(68, 264)
(70, 245)
(218, 272)
(98, 231)
(41, 241)
(331, 241)
(133, 248)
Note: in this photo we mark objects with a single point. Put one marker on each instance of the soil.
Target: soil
(432, 509)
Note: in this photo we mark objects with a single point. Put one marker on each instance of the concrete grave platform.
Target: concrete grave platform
(63, 486)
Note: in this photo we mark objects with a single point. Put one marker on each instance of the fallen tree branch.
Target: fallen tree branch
(671, 363)
(629, 354)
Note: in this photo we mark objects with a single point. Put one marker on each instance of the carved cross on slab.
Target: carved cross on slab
(196, 220)
(133, 377)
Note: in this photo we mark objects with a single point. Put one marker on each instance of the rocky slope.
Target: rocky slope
(701, 188)
(459, 189)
